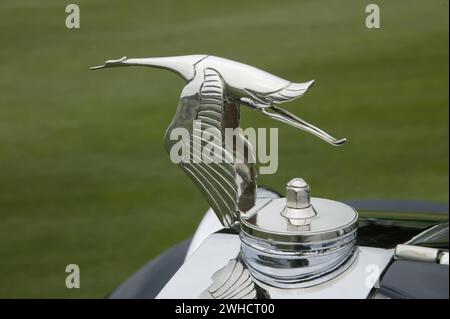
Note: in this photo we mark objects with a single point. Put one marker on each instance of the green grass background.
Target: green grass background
(84, 177)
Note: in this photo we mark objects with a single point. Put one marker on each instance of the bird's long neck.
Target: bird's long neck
(184, 66)
(171, 64)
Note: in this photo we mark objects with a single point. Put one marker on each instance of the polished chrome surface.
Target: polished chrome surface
(182, 65)
(231, 282)
(295, 269)
(216, 87)
(334, 220)
(416, 253)
(443, 258)
(298, 210)
(196, 274)
(298, 241)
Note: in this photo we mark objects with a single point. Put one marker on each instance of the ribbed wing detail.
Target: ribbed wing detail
(231, 282)
(291, 92)
(215, 177)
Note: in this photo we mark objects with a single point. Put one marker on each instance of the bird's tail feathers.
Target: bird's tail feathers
(290, 92)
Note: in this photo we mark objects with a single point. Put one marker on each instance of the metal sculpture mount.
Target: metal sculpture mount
(216, 87)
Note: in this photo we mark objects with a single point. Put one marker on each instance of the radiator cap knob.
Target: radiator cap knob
(298, 210)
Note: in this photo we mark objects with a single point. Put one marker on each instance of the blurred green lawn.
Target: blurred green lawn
(84, 177)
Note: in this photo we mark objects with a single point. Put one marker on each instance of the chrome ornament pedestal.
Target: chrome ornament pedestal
(298, 241)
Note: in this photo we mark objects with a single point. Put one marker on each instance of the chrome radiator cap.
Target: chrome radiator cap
(298, 241)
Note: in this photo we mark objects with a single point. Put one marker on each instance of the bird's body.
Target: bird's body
(215, 89)
(239, 77)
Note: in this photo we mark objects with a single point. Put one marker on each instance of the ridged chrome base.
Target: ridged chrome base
(297, 267)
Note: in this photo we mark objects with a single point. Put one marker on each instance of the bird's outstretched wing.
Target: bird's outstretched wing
(228, 186)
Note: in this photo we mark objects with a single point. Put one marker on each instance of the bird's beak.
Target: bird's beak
(111, 63)
(291, 119)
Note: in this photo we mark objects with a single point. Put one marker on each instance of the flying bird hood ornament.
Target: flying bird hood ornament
(297, 246)
(215, 89)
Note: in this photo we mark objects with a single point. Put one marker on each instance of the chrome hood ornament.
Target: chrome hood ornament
(216, 87)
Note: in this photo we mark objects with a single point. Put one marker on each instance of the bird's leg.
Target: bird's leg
(293, 120)
(252, 103)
